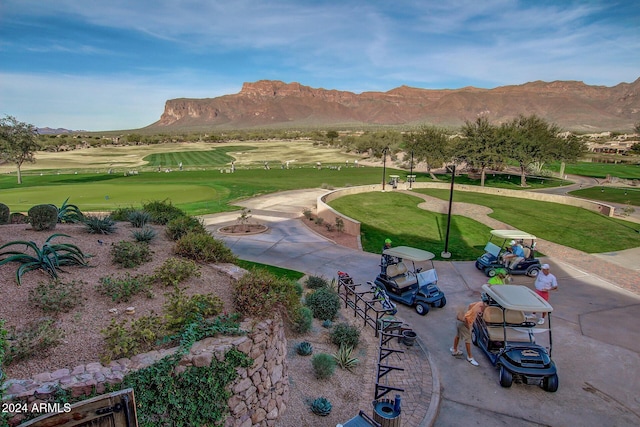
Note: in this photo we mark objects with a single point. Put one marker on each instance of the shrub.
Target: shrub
(303, 320)
(260, 294)
(304, 348)
(138, 218)
(56, 296)
(144, 235)
(339, 224)
(307, 214)
(99, 224)
(175, 271)
(43, 217)
(5, 213)
(298, 288)
(203, 248)
(122, 214)
(181, 310)
(321, 406)
(316, 282)
(69, 213)
(122, 340)
(48, 258)
(329, 226)
(18, 218)
(344, 334)
(323, 365)
(324, 303)
(162, 211)
(319, 221)
(178, 227)
(130, 254)
(344, 359)
(124, 287)
(36, 338)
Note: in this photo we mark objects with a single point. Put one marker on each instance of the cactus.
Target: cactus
(321, 406)
(304, 348)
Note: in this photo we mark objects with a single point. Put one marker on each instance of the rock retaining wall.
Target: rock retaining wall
(259, 394)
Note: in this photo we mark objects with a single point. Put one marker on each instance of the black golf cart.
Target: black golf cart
(492, 260)
(406, 283)
(508, 337)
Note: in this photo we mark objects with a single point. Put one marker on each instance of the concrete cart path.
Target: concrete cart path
(596, 327)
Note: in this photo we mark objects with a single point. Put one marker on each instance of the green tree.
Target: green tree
(18, 142)
(479, 147)
(636, 127)
(429, 145)
(635, 148)
(332, 134)
(527, 140)
(567, 150)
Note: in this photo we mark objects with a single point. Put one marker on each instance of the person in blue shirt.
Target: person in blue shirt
(512, 259)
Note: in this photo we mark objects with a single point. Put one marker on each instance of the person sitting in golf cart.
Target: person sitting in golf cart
(514, 255)
(388, 259)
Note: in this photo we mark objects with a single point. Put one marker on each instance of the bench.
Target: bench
(495, 323)
(400, 274)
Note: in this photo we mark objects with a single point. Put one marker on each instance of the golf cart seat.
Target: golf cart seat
(527, 252)
(495, 324)
(400, 274)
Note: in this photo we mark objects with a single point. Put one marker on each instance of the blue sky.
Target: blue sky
(107, 65)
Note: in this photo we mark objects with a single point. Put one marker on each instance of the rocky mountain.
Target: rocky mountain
(570, 104)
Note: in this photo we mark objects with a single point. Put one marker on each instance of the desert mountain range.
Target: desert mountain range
(572, 105)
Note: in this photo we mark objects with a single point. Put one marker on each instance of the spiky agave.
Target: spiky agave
(49, 258)
(321, 406)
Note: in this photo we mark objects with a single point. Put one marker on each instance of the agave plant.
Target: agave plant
(304, 348)
(69, 213)
(321, 406)
(344, 359)
(50, 257)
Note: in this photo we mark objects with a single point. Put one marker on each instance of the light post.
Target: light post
(411, 172)
(384, 166)
(446, 253)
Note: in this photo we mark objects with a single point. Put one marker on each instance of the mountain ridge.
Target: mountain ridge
(573, 105)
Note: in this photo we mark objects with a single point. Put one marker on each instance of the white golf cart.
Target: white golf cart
(405, 283)
(508, 337)
(496, 248)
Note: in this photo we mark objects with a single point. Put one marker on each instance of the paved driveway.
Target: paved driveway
(596, 329)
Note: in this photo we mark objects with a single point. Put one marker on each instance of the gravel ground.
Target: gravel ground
(83, 342)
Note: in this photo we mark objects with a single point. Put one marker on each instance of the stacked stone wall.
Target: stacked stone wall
(259, 394)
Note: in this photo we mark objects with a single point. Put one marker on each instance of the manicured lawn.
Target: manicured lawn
(396, 216)
(567, 225)
(197, 192)
(506, 180)
(627, 196)
(276, 271)
(215, 157)
(600, 170)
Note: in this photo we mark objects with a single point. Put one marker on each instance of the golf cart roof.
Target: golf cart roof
(517, 297)
(412, 254)
(512, 234)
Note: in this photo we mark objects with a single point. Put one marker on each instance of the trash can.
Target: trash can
(387, 412)
(409, 337)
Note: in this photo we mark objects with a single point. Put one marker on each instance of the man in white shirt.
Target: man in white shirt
(545, 282)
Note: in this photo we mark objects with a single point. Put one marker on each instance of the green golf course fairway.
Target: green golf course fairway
(106, 196)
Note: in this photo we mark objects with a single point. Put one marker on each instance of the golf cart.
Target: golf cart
(508, 339)
(407, 284)
(492, 259)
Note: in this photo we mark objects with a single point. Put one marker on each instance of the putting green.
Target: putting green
(97, 196)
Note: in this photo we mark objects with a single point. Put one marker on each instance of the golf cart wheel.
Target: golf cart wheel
(506, 378)
(474, 337)
(533, 271)
(490, 272)
(440, 303)
(550, 383)
(422, 309)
